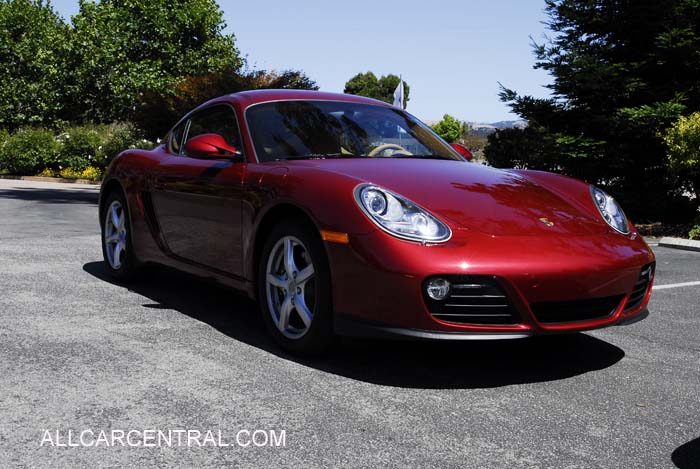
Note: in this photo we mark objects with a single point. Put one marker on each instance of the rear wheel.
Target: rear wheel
(294, 288)
(117, 247)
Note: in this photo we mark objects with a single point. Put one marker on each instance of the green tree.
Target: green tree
(683, 141)
(159, 110)
(126, 48)
(449, 128)
(472, 139)
(367, 84)
(34, 45)
(622, 70)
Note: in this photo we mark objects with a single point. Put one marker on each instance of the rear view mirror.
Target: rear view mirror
(210, 146)
(462, 150)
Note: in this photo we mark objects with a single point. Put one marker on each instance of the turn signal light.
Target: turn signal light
(335, 237)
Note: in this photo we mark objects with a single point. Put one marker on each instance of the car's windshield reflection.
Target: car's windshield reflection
(329, 129)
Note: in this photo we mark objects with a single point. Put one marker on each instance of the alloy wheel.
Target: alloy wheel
(115, 234)
(290, 287)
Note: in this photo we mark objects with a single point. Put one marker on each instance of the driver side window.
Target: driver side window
(219, 120)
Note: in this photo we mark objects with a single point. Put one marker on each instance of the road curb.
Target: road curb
(50, 179)
(680, 243)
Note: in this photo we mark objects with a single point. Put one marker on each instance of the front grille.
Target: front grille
(555, 312)
(473, 299)
(639, 291)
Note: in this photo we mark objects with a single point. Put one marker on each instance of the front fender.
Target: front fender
(326, 197)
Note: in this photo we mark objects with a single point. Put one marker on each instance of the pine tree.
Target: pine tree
(623, 71)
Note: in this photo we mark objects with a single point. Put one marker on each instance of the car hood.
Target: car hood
(472, 196)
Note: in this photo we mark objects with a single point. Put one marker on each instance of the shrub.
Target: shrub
(117, 138)
(4, 136)
(92, 173)
(28, 151)
(69, 173)
(683, 141)
(98, 145)
(695, 232)
(75, 152)
(80, 147)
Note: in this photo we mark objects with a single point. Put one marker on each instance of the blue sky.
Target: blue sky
(452, 53)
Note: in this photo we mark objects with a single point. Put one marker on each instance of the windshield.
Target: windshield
(286, 130)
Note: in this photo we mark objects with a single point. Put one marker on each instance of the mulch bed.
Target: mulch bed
(659, 230)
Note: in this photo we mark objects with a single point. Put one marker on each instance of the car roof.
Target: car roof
(249, 98)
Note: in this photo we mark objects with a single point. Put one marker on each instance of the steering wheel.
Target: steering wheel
(387, 146)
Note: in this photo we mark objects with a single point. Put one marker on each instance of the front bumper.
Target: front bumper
(351, 327)
(378, 281)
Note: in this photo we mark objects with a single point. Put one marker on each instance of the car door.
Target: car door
(198, 201)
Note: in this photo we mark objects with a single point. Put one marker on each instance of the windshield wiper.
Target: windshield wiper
(319, 156)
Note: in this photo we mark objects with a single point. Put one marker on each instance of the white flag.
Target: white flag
(398, 95)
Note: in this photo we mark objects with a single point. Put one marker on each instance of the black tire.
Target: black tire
(319, 333)
(128, 265)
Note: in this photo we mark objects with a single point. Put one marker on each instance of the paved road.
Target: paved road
(79, 352)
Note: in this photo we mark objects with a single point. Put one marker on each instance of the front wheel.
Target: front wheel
(294, 288)
(117, 247)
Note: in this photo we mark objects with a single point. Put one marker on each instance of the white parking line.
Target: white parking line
(675, 285)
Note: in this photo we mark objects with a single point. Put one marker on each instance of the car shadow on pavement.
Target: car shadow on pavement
(687, 456)
(85, 195)
(438, 365)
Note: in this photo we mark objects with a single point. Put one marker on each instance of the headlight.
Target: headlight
(400, 217)
(610, 210)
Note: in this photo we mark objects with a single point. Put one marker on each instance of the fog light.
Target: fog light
(438, 288)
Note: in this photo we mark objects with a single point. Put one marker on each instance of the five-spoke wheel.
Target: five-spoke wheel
(116, 238)
(294, 287)
(115, 234)
(289, 276)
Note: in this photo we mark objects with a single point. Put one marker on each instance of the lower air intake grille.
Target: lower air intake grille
(639, 291)
(554, 312)
(473, 300)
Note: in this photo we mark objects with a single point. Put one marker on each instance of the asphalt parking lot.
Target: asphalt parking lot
(172, 352)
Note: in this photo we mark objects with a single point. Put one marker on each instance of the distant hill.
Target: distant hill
(518, 124)
(484, 129)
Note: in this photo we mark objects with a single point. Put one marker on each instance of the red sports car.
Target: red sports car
(344, 215)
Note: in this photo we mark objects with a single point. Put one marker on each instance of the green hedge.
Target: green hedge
(81, 151)
(29, 151)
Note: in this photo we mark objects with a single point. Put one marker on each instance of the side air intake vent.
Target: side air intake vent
(639, 291)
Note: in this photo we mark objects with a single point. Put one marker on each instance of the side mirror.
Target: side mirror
(462, 150)
(209, 146)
